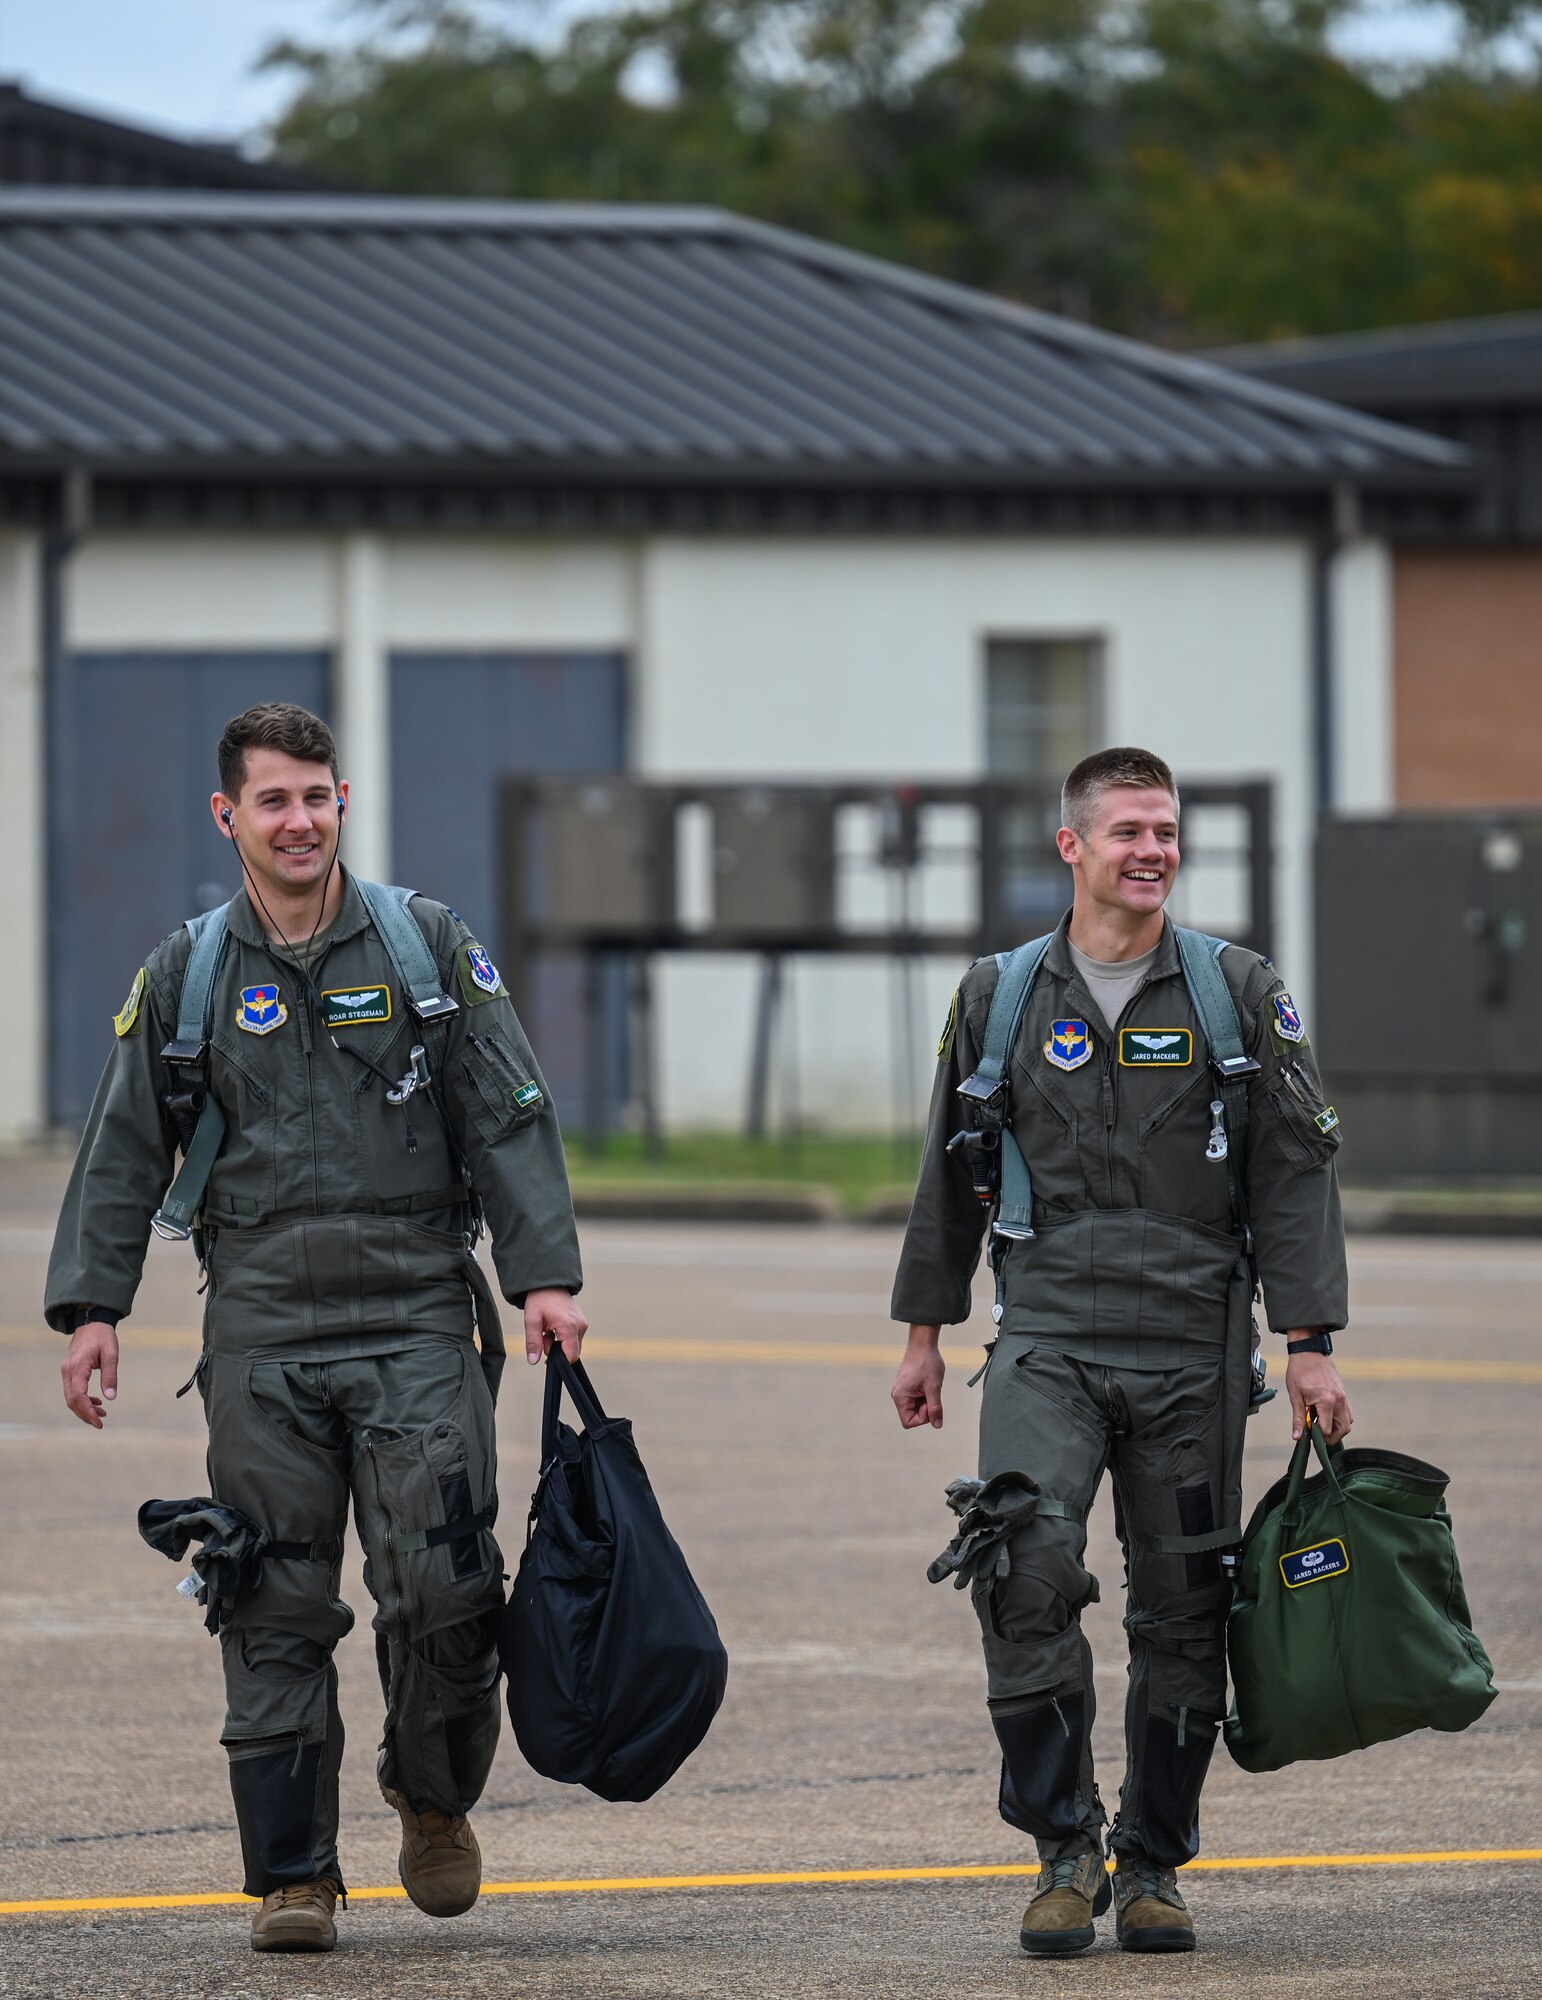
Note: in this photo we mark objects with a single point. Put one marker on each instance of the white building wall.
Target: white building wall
(23, 881)
(778, 658)
(839, 658)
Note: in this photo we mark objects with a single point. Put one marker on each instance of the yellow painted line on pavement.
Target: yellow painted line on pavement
(788, 1878)
(729, 1352)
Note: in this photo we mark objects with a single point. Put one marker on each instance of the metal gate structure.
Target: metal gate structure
(1429, 983)
(620, 869)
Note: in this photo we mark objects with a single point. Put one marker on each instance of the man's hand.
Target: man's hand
(553, 1315)
(917, 1391)
(92, 1346)
(1313, 1379)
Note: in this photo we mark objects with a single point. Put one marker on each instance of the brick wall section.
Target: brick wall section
(1467, 628)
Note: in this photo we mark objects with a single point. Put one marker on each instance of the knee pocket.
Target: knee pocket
(1045, 1588)
(277, 1686)
(420, 1484)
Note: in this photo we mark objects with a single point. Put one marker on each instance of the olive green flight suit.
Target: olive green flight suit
(339, 1360)
(1123, 1345)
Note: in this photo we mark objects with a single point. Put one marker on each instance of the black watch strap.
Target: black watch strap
(1311, 1343)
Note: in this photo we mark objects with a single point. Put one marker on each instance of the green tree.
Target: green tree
(1193, 169)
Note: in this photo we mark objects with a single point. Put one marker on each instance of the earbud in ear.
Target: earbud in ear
(226, 815)
(342, 805)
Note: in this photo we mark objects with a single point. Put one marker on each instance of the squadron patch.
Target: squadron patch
(355, 1006)
(1327, 1120)
(949, 1030)
(478, 975)
(1313, 1565)
(1287, 1022)
(1140, 1047)
(126, 1021)
(527, 1094)
(261, 1010)
(1069, 1044)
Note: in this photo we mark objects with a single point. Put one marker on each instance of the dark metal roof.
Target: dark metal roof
(316, 335)
(43, 144)
(1448, 364)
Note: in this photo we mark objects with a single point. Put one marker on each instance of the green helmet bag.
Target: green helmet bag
(1349, 1624)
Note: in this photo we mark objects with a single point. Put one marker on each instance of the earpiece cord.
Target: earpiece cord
(304, 970)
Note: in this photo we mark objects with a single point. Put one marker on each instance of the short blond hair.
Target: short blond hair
(1140, 769)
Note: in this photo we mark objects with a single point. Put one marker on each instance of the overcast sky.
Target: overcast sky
(186, 65)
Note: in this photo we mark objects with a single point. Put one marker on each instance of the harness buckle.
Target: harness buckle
(1235, 1069)
(440, 1009)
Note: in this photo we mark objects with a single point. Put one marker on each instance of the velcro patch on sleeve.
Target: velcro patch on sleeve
(949, 1030)
(479, 978)
(128, 1019)
(1315, 1564)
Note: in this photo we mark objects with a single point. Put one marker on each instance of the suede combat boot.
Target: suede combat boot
(440, 1863)
(297, 1917)
(1071, 1892)
(1150, 1915)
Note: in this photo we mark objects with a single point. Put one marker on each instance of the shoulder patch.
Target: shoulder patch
(1285, 1019)
(129, 1018)
(949, 1029)
(478, 976)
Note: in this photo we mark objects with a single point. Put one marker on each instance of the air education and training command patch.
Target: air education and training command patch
(127, 1020)
(261, 1010)
(1141, 1047)
(1069, 1044)
(355, 1006)
(478, 975)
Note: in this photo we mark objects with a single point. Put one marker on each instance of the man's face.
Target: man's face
(1129, 859)
(286, 820)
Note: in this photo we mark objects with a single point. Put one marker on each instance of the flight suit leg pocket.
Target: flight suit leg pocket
(425, 1504)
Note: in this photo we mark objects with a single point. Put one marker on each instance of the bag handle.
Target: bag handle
(574, 1377)
(1311, 1438)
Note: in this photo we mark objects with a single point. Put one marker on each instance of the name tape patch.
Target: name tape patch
(1140, 1047)
(354, 1006)
(1315, 1564)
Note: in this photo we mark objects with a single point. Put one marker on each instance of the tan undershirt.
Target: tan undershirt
(1112, 981)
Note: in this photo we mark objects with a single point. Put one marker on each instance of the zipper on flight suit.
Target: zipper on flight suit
(367, 1443)
(308, 1047)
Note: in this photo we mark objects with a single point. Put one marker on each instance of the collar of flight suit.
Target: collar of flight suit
(245, 923)
(1058, 960)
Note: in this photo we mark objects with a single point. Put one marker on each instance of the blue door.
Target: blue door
(132, 847)
(460, 724)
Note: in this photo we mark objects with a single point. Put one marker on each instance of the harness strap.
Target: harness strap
(1019, 970)
(461, 1529)
(1186, 1545)
(320, 1551)
(188, 1060)
(1200, 956)
(408, 948)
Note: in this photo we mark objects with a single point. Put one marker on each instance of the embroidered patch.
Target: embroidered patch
(1287, 1021)
(527, 1094)
(126, 1020)
(1313, 1565)
(1069, 1044)
(1139, 1047)
(950, 1029)
(478, 976)
(1327, 1120)
(353, 1006)
(261, 1010)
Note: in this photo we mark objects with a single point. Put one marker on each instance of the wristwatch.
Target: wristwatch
(1311, 1343)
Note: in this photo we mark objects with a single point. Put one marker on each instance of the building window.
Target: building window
(1043, 706)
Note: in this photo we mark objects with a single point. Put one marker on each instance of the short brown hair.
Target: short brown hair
(1096, 774)
(273, 725)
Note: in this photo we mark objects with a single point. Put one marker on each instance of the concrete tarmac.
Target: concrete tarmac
(755, 1362)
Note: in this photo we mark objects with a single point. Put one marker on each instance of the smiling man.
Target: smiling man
(1149, 1145)
(343, 1072)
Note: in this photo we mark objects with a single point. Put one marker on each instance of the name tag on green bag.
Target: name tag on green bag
(1313, 1565)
